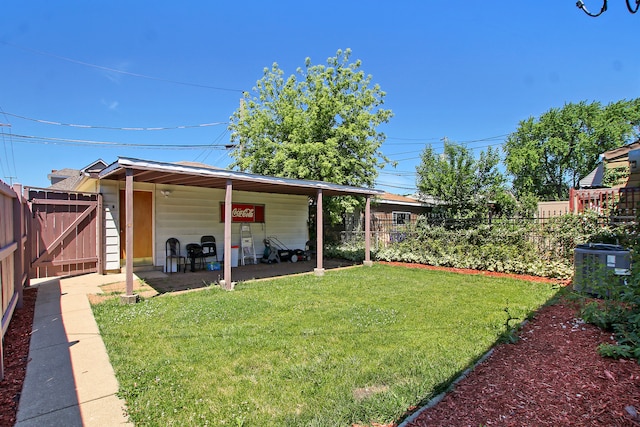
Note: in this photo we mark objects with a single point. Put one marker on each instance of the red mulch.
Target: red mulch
(16, 355)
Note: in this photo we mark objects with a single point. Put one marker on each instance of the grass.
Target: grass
(360, 345)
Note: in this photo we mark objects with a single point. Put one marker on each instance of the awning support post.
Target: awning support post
(129, 297)
(319, 270)
(226, 282)
(367, 233)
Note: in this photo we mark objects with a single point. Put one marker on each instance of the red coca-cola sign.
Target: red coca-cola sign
(243, 212)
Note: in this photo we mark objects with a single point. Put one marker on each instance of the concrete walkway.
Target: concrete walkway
(69, 380)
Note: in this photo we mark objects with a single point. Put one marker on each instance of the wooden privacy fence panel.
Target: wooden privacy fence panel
(13, 269)
(65, 233)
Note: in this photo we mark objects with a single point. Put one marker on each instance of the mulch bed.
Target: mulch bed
(553, 376)
(16, 356)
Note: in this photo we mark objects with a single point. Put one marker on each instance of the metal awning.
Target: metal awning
(202, 176)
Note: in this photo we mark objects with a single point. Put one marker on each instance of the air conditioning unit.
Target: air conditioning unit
(597, 264)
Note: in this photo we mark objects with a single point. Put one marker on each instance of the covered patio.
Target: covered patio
(134, 170)
(155, 283)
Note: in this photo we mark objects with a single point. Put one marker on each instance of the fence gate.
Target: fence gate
(65, 233)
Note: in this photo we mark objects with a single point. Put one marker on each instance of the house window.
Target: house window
(400, 218)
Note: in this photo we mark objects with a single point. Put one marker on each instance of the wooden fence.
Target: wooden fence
(621, 205)
(13, 254)
(64, 232)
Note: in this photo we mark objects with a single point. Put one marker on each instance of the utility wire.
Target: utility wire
(205, 153)
(396, 186)
(4, 143)
(419, 157)
(113, 70)
(50, 122)
(440, 141)
(28, 139)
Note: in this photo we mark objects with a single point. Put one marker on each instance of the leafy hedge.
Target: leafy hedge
(510, 246)
(502, 248)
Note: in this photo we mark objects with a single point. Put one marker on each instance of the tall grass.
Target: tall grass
(355, 346)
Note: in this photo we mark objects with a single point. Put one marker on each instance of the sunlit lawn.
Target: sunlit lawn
(355, 346)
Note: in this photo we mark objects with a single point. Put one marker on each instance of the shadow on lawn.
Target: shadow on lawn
(175, 282)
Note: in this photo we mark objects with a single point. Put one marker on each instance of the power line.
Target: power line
(440, 141)
(113, 70)
(399, 173)
(28, 139)
(205, 156)
(4, 143)
(50, 122)
(419, 157)
(413, 188)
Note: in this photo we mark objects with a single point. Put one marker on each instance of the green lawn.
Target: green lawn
(355, 346)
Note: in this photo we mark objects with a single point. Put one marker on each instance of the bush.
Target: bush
(617, 311)
(502, 247)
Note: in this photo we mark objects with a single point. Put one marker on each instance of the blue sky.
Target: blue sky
(468, 71)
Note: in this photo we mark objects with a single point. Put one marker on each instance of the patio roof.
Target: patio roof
(136, 170)
(209, 177)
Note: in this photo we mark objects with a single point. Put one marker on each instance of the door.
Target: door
(142, 228)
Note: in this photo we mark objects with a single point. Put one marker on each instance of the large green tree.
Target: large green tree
(320, 123)
(548, 155)
(464, 184)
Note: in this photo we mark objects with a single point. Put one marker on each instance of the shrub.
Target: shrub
(617, 311)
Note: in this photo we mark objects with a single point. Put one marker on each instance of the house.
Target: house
(146, 202)
(389, 209)
(70, 179)
(613, 187)
(617, 168)
(389, 213)
(395, 209)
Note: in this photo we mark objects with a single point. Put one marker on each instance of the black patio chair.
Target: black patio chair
(172, 251)
(209, 249)
(194, 253)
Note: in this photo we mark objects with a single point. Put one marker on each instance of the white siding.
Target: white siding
(188, 213)
(110, 202)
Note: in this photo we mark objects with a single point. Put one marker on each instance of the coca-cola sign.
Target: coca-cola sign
(243, 212)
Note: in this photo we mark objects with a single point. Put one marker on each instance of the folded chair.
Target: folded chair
(208, 244)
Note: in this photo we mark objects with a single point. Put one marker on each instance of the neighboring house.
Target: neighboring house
(398, 210)
(188, 200)
(617, 168)
(613, 187)
(70, 179)
(388, 210)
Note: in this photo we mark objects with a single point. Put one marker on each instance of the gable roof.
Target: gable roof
(205, 176)
(594, 179)
(95, 167)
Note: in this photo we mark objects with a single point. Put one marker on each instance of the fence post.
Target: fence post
(18, 255)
